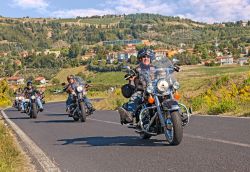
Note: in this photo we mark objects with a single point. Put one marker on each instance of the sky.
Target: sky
(209, 11)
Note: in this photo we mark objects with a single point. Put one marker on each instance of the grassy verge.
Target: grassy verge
(208, 90)
(11, 157)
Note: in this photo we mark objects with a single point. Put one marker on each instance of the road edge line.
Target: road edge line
(36, 151)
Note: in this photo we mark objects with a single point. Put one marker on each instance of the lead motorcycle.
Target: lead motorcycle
(79, 109)
(160, 112)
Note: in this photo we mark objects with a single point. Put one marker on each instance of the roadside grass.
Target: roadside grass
(195, 81)
(11, 158)
(64, 72)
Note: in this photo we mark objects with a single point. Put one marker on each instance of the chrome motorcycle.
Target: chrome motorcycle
(18, 101)
(160, 112)
(79, 108)
(31, 105)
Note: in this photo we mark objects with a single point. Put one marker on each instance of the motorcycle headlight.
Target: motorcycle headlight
(79, 89)
(20, 98)
(150, 89)
(33, 97)
(176, 85)
(16, 98)
(162, 85)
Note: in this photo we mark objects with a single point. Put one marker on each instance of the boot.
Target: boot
(125, 116)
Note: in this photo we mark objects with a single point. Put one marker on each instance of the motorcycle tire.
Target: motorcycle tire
(19, 107)
(76, 118)
(177, 128)
(33, 111)
(144, 136)
(83, 112)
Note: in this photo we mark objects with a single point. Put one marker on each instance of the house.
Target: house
(130, 53)
(225, 59)
(161, 52)
(3, 54)
(110, 58)
(16, 80)
(121, 56)
(57, 53)
(24, 54)
(40, 80)
(243, 60)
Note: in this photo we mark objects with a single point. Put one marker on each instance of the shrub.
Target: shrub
(223, 107)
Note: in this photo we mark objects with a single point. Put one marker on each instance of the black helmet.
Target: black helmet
(127, 90)
(29, 83)
(144, 52)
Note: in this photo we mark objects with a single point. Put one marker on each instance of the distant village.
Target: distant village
(129, 50)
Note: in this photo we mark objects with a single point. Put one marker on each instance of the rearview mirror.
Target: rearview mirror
(63, 84)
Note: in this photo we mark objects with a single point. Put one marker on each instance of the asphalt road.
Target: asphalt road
(103, 145)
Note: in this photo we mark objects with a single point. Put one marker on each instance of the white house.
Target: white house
(40, 80)
(15, 80)
(225, 59)
(243, 60)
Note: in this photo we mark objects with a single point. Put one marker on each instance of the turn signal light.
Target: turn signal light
(151, 100)
(177, 96)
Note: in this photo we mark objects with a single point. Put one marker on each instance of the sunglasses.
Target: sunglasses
(146, 57)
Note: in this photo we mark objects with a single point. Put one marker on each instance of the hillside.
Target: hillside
(39, 34)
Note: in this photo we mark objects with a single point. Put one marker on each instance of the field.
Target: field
(63, 73)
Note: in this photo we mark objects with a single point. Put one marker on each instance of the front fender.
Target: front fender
(170, 105)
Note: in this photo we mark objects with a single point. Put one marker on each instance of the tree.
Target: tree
(74, 50)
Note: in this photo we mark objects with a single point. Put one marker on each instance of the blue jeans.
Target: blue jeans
(38, 101)
(70, 100)
(134, 101)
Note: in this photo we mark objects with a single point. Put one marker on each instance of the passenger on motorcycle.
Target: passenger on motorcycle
(128, 110)
(28, 90)
(70, 89)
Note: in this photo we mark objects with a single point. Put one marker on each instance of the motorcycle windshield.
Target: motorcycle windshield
(79, 81)
(161, 68)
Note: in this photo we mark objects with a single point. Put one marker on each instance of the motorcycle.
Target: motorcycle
(18, 102)
(31, 106)
(160, 112)
(79, 108)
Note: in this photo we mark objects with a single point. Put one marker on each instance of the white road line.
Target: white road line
(109, 122)
(37, 152)
(192, 136)
(219, 140)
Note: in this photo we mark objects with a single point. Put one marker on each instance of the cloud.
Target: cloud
(215, 10)
(199, 10)
(80, 12)
(119, 7)
(31, 4)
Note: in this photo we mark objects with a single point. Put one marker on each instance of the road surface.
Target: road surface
(103, 145)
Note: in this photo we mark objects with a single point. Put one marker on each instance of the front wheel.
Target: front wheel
(19, 108)
(33, 111)
(174, 129)
(83, 113)
(144, 136)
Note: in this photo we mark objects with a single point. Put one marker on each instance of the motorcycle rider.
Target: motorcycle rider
(70, 89)
(27, 91)
(128, 110)
(17, 93)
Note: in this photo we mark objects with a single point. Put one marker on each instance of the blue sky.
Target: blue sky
(199, 10)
